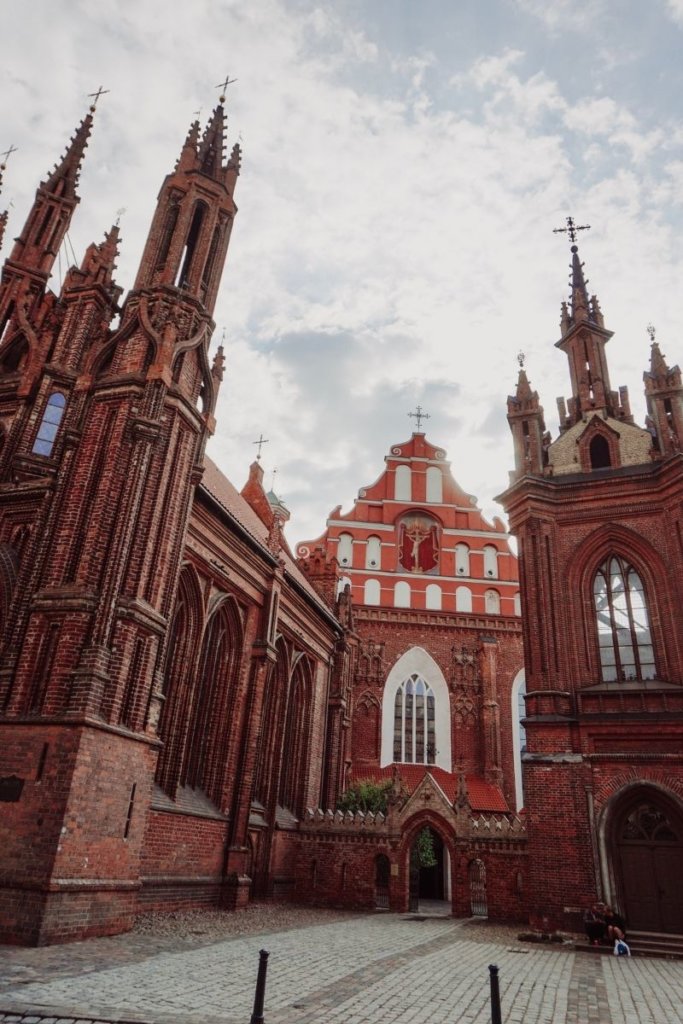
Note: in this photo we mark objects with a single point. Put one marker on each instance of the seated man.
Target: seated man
(594, 923)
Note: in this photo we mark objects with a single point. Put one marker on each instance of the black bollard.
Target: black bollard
(259, 995)
(495, 996)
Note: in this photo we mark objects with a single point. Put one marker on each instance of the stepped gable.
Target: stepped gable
(482, 795)
(415, 537)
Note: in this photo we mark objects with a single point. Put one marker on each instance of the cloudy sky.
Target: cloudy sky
(404, 165)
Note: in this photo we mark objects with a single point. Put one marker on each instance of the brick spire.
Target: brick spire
(212, 145)
(664, 397)
(583, 339)
(63, 179)
(36, 248)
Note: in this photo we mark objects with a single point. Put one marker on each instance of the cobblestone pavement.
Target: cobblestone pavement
(349, 969)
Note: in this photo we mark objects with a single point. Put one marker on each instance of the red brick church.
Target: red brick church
(183, 701)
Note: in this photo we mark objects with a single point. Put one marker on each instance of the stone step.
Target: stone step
(647, 944)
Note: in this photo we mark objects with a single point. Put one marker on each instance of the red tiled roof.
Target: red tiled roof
(482, 795)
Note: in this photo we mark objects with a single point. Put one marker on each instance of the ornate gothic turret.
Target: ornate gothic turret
(36, 248)
(525, 416)
(664, 396)
(583, 339)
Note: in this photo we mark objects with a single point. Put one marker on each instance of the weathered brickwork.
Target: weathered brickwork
(601, 572)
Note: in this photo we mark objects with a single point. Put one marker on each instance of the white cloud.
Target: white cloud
(394, 242)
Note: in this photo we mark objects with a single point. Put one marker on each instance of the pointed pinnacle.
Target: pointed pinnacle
(579, 297)
(523, 385)
(658, 365)
(69, 167)
(211, 147)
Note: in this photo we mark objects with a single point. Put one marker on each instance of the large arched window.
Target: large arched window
(623, 624)
(49, 425)
(296, 742)
(414, 724)
(416, 712)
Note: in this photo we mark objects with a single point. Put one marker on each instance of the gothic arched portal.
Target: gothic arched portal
(647, 856)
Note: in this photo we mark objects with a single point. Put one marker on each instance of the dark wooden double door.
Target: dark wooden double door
(649, 844)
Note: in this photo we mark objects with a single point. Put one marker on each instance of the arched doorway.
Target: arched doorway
(429, 869)
(648, 861)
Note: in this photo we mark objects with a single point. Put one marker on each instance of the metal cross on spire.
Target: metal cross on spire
(261, 441)
(94, 96)
(521, 359)
(223, 86)
(571, 229)
(419, 416)
(5, 156)
(651, 331)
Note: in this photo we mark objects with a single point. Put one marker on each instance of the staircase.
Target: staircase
(654, 944)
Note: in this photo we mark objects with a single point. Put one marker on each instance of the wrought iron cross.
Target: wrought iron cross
(651, 331)
(521, 359)
(419, 416)
(571, 229)
(94, 96)
(223, 86)
(6, 155)
(261, 441)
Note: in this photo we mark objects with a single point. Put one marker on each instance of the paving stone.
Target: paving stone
(360, 969)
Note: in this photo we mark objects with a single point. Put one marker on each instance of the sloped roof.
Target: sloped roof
(482, 795)
(228, 497)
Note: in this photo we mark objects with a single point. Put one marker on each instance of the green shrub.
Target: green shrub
(365, 796)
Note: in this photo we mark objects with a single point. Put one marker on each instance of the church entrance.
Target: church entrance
(429, 862)
(649, 858)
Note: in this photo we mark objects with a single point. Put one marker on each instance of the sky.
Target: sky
(404, 166)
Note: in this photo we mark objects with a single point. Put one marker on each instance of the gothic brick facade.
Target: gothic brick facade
(597, 513)
(183, 702)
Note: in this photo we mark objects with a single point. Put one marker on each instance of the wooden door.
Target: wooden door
(650, 853)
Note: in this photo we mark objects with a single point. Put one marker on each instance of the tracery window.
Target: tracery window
(624, 638)
(414, 716)
(49, 425)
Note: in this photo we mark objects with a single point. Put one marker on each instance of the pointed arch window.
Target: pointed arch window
(623, 623)
(599, 452)
(49, 425)
(414, 722)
